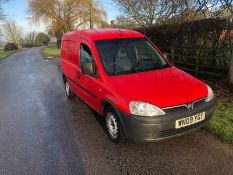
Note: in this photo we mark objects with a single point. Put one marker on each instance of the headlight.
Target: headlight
(144, 109)
(210, 94)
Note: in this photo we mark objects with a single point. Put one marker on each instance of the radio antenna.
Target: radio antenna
(120, 32)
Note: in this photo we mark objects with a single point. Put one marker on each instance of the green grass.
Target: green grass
(51, 52)
(221, 124)
(6, 54)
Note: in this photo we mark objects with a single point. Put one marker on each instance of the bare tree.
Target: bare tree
(143, 13)
(2, 16)
(31, 37)
(227, 4)
(124, 22)
(13, 32)
(149, 12)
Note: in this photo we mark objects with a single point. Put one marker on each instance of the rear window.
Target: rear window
(129, 55)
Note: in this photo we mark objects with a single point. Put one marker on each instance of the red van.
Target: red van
(123, 76)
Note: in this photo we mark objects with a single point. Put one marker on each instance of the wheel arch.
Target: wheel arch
(106, 103)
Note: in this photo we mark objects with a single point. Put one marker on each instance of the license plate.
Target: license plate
(190, 120)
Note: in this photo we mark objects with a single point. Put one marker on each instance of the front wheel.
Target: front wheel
(113, 126)
(68, 90)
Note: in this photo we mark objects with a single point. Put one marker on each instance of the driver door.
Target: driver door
(89, 84)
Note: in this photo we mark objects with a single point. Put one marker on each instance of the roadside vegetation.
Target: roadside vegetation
(5, 54)
(221, 124)
(51, 52)
(8, 50)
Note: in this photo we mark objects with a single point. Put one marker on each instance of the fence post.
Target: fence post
(231, 67)
(197, 57)
(173, 55)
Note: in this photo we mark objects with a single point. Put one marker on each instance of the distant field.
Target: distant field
(51, 52)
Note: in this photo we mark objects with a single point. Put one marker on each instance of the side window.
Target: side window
(85, 54)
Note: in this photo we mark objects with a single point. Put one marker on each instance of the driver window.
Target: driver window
(85, 54)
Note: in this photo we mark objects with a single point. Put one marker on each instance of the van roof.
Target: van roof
(100, 34)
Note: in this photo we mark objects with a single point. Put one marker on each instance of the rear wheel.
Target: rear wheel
(113, 126)
(68, 90)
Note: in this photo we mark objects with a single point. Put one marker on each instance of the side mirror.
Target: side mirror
(88, 68)
(165, 55)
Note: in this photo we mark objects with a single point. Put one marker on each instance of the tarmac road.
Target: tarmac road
(42, 132)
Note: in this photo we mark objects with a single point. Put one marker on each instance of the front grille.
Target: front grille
(174, 131)
(183, 107)
(199, 103)
(175, 109)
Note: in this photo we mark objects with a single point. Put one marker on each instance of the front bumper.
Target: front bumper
(163, 127)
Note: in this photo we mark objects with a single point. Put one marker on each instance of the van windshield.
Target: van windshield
(129, 55)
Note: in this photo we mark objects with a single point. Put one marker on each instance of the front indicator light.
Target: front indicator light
(210, 94)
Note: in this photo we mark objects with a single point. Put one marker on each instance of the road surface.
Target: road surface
(42, 132)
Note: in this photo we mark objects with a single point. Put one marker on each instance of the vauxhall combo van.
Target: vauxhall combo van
(125, 78)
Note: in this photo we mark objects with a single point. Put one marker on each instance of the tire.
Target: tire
(113, 126)
(68, 90)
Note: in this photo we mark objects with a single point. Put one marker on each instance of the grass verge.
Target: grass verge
(6, 54)
(51, 52)
(221, 124)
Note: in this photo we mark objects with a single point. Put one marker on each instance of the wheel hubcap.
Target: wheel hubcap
(67, 89)
(112, 125)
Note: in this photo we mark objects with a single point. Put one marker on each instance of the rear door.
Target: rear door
(70, 62)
